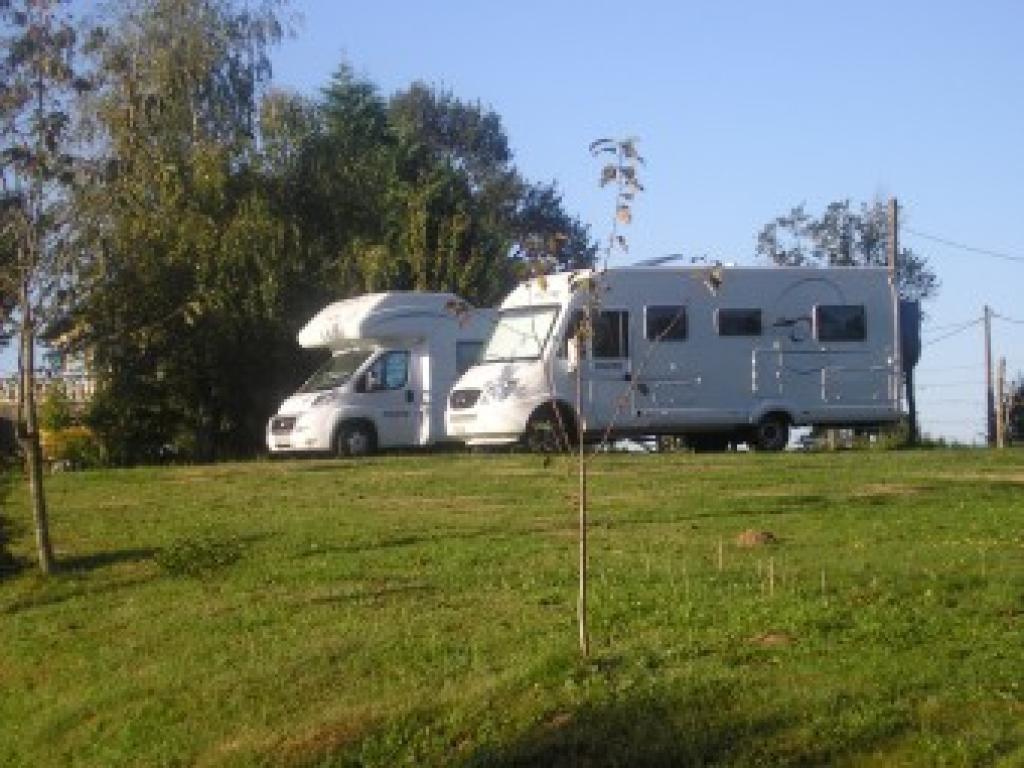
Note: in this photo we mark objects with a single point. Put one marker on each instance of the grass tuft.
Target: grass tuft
(199, 555)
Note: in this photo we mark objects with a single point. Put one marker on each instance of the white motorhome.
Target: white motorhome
(720, 354)
(394, 358)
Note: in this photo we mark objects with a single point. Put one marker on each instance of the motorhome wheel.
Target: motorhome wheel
(546, 433)
(771, 433)
(355, 439)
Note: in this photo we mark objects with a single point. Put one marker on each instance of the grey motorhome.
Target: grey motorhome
(719, 354)
(394, 358)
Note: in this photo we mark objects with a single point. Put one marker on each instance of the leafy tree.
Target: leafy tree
(219, 215)
(844, 236)
(181, 296)
(37, 81)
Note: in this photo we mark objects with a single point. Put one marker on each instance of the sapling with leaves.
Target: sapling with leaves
(620, 171)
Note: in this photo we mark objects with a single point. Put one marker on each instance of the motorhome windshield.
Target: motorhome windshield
(520, 334)
(336, 371)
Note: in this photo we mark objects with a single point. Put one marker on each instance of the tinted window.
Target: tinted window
(390, 371)
(666, 323)
(840, 322)
(739, 322)
(467, 354)
(611, 334)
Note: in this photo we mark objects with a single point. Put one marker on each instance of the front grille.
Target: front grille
(282, 425)
(463, 398)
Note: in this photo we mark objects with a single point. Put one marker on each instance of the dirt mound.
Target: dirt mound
(751, 538)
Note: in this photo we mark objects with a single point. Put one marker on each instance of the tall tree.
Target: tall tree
(844, 236)
(181, 295)
(37, 82)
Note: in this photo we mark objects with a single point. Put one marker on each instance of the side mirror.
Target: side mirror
(361, 384)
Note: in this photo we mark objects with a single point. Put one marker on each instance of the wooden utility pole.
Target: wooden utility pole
(894, 229)
(990, 398)
(902, 377)
(1001, 403)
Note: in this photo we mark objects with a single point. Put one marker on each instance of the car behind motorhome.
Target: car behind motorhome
(720, 355)
(394, 358)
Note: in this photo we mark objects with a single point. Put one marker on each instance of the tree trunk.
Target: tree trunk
(29, 436)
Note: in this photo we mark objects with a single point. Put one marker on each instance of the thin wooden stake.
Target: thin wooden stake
(771, 576)
(582, 605)
(721, 555)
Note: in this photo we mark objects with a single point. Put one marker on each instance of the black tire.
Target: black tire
(771, 433)
(549, 432)
(355, 439)
(710, 442)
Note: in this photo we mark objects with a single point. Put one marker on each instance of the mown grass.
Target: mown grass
(420, 610)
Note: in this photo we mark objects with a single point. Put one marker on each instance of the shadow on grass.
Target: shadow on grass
(650, 730)
(10, 564)
(673, 728)
(56, 592)
(97, 560)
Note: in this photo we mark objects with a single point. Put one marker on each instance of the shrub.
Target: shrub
(198, 555)
(55, 411)
(75, 446)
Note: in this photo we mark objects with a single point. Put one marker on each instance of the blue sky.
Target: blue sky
(744, 110)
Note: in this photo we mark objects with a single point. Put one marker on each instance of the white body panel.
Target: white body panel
(407, 350)
(705, 382)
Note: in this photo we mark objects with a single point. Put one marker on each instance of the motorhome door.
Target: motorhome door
(610, 396)
(391, 397)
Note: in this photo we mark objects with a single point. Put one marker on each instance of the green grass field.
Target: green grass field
(420, 610)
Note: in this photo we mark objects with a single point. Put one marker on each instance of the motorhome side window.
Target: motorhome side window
(666, 323)
(390, 371)
(840, 322)
(739, 322)
(467, 354)
(611, 334)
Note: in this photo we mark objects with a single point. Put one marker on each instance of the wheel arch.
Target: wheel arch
(564, 414)
(348, 420)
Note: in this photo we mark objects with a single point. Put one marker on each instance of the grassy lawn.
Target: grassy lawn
(420, 610)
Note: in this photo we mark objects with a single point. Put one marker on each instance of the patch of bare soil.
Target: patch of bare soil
(990, 477)
(888, 489)
(323, 740)
(773, 640)
(749, 539)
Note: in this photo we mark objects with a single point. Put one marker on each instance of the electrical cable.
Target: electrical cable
(961, 329)
(939, 328)
(964, 247)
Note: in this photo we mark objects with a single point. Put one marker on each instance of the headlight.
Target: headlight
(501, 389)
(324, 398)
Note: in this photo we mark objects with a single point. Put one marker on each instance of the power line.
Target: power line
(964, 247)
(942, 384)
(953, 400)
(960, 329)
(1007, 319)
(945, 368)
(937, 328)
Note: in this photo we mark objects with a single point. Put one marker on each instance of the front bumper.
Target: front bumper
(486, 425)
(302, 433)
